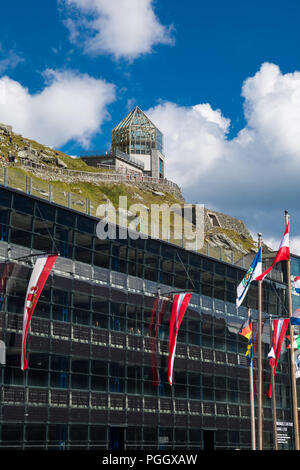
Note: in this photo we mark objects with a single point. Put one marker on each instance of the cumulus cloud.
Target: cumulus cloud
(255, 175)
(122, 28)
(71, 106)
(195, 139)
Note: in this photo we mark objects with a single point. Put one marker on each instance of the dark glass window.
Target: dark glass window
(84, 224)
(80, 365)
(101, 260)
(12, 433)
(45, 211)
(21, 221)
(65, 218)
(4, 223)
(84, 240)
(117, 315)
(78, 433)
(99, 367)
(5, 197)
(13, 376)
(99, 383)
(58, 433)
(35, 432)
(117, 375)
(42, 243)
(19, 237)
(207, 265)
(82, 255)
(39, 361)
(98, 433)
(38, 378)
(64, 239)
(23, 204)
(80, 381)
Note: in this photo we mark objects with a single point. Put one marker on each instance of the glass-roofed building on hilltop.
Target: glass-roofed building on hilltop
(139, 138)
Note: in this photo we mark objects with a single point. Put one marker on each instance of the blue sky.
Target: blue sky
(220, 79)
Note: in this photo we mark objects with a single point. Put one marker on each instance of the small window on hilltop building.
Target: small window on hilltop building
(214, 220)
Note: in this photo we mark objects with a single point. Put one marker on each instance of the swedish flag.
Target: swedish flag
(249, 352)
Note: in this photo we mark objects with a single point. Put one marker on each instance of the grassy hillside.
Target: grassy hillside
(98, 193)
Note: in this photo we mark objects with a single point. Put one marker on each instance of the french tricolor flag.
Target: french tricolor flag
(297, 284)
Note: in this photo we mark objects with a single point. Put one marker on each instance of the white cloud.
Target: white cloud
(274, 243)
(9, 59)
(255, 175)
(123, 28)
(194, 139)
(71, 106)
(295, 245)
(272, 108)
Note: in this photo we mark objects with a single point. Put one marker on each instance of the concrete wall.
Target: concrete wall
(121, 165)
(156, 155)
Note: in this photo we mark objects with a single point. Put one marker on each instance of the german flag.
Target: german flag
(246, 329)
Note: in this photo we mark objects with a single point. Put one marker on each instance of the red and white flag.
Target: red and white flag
(158, 311)
(179, 307)
(279, 332)
(283, 253)
(37, 281)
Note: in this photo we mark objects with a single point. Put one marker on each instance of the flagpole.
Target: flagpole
(292, 356)
(274, 406)
(259, 335)
(253, 443)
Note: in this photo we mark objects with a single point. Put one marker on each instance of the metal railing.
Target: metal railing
(53, 173)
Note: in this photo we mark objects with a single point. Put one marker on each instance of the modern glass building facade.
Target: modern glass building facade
(137, 135)
(89, 382)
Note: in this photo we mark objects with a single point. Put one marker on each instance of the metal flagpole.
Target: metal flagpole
(292, 356)
(259, 335)
(274, 406)
(253, 443)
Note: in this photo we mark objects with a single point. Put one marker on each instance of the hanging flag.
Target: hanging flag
(249, 352)
(283, 253)
(157, 315)
(246, 328)
(251, 275)
(295, 318)
(278, 335)
(39, 276)
(297, 284)
(246, 331)
(296, 342)
(179, 307)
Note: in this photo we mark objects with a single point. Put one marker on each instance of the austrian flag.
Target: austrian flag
(38, 278)
(283, 253)
(179, 307)
(279, 331)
